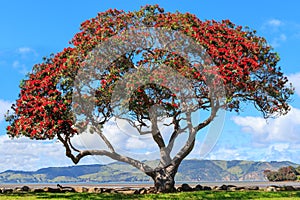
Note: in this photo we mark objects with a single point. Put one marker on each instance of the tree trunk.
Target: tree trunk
(164, 179)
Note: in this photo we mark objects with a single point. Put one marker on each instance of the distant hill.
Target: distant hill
(189, 170)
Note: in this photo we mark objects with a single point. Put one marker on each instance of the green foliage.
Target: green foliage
(283, 174)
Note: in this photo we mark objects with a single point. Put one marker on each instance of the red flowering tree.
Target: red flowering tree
(235, 66)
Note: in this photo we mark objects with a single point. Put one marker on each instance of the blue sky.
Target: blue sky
(32, 29)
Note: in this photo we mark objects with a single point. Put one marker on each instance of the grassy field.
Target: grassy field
(185, 195)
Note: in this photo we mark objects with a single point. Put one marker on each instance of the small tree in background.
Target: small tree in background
(288, 173)
(51, 103)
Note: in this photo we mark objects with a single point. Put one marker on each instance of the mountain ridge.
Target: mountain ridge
(189, 170)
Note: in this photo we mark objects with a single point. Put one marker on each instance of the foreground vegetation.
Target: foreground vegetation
(183, 195)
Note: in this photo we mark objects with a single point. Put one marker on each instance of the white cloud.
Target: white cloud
(274, 22)
(20, 67)
(124, 139)
(276, 30)
(4, 107)
(282, 129)
(272, 139)
(26, 154)
(275, 139)
(136, 143)
(249, 124)
(237, 145)
(23, 59)
(258, 140)
(295, 80)
(25, 50)
(273, 152)
(272, 25)
(222, 153)
(278, 40)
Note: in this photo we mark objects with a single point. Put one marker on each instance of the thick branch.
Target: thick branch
(189, 145)
(213, 113)
(155, 130)
(157, 136)
(187, 148)
(113, 155)
(176, 132)
(185, 151)
(165, 157)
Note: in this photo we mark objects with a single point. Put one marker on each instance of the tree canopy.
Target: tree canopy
(51, 102)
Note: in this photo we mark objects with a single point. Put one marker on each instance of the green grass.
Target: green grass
(186, 195)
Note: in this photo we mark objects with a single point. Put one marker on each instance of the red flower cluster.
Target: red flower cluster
(242, 61)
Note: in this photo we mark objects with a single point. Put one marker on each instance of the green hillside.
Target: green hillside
(190, 170)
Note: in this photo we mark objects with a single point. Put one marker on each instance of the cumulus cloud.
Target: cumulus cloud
(26, 154)
(4, 107)
(283, 129)
(237, 145)
(273, 152)
(125, 140)
(29, 155)
(295, 80)
(275, 139)
(272, 139)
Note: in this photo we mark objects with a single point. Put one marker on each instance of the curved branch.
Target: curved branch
(107, 142)
(213, 113)
(72, 147)
(113, 155)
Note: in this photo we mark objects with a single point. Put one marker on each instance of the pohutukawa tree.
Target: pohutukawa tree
(148, 68)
